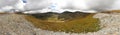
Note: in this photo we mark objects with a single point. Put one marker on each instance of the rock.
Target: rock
(14, 24)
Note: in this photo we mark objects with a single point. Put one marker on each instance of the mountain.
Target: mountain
(67, 21)
(66, 15)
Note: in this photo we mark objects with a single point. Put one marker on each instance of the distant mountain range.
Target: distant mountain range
(66, 15)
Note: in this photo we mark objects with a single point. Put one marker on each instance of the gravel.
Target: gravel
(14, 24)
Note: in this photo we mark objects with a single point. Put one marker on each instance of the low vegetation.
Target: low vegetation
(75, 25)
(111, 11)
(2, 13)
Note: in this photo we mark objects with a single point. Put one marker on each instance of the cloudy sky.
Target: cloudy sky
(97, 5)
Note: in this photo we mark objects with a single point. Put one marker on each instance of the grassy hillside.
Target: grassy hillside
(75, 25)
(112, 11)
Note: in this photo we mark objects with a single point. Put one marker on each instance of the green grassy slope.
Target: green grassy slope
(76, 25)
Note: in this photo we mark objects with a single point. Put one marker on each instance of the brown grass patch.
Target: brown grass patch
(76, 25)
(112, 11)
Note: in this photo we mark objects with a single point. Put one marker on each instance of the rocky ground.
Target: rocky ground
(14, 24)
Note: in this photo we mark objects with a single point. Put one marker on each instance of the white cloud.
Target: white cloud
(37, 4)
(116, 5)
(6, 8)
(7, 3)
(61, 5)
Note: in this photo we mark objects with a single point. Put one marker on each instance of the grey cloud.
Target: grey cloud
(98, 5)
(7, 3)
(37, 4)
(116, 5)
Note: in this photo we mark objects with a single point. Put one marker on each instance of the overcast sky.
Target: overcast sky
(98, 5)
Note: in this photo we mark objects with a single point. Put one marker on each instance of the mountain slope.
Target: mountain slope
(75, 22)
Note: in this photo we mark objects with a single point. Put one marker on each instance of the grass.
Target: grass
(112, 11)
(115, 11)
(2, 13)
(76, 25)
